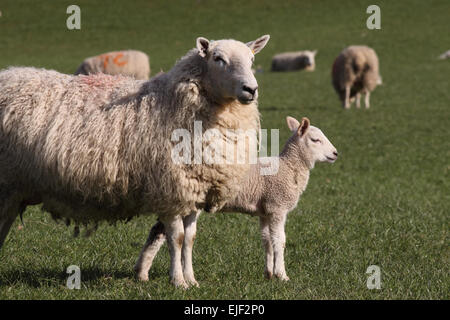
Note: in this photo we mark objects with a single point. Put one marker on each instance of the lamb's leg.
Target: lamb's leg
(358, 100)
(279, 241)
(268, 247)
(190, 229)
(155, 240)
(175, 238)
(347, 97)
(366, 99)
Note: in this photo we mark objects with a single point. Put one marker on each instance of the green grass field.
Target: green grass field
(385, 202)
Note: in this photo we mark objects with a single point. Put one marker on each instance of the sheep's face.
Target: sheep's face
(229, 68)
(309, 60)
(312, 141)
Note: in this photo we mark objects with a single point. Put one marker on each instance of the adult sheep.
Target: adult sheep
(355, 71)
(130, 63)
(99, 147)
(291, 61)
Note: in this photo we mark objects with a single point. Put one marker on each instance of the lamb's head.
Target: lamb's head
(229, 68)
(311, 141)
(310, 60)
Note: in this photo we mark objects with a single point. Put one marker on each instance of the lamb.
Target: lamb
(270, 197)
(99, 147)
(130, 63)
(291, 61)
(355, 71)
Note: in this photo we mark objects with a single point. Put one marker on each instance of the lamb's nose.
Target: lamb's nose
(250, 90)
(335, 153)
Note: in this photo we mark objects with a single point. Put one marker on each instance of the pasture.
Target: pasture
(384, 202)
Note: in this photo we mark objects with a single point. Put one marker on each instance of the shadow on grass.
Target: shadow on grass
(44, 277)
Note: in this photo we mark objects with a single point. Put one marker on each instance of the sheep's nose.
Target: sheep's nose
(335, 153)
(250, 90)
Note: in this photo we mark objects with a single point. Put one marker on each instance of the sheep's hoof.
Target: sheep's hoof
(268, 274)
(179, 284)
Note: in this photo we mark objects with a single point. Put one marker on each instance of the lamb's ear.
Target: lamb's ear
(292, 123)
(257, 45)
(304, 126)
(202, 46)
(314, 53)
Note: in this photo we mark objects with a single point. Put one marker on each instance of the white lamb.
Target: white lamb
(270, 197)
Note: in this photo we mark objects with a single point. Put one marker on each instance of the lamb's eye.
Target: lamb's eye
(220, 60)
(315, 140)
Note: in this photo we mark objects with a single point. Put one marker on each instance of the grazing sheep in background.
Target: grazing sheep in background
(355, 71)
(130, 63)
(270, 197)
(291, 61)
(99, 147)
(445, 55)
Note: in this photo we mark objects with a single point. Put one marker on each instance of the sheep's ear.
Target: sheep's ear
(303, 128)
(314, 52)
(257, 45)
(202, 46)
(292, 123)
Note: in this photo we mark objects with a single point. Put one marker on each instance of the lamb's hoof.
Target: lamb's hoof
(142, 277)
(193, 283)
(268, 274)
(282, 277)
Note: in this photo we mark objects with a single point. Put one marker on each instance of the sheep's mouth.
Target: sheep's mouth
(331, 159)
(245, 100)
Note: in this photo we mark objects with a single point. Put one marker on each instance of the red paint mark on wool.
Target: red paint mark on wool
(101, 80)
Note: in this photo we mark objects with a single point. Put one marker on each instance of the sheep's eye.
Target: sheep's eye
(220, 60)
(315, 140)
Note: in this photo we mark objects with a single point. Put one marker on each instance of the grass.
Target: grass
(386, 201)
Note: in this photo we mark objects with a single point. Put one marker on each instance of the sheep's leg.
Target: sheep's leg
(347, 97)
(279, 241)
(8, 213)
(5, 224)
(175, 238)
(190, 229)
(366, 99)
(358, 100)
(155, 240)
(268, 247)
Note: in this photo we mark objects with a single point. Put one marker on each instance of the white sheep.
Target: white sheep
(270, 197)
(355, 71)
(130, 63)
(445, 55)
(291, 61)
(99, 147)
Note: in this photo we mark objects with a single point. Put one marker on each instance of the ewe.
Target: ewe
(130, 63)
(355, 70)
(99, 147)
(290, 61)
(270, 197)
